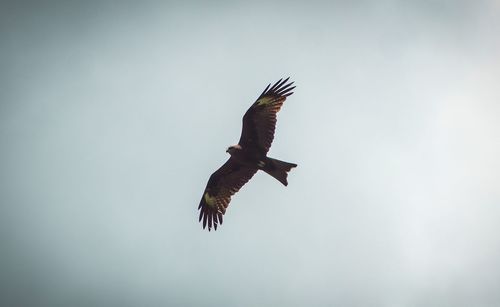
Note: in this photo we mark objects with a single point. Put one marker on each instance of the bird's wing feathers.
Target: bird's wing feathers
(224, 183)
(259, 122)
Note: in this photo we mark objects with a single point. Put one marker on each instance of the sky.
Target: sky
(114, 114)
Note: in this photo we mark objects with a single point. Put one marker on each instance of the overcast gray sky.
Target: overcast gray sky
(113, 116)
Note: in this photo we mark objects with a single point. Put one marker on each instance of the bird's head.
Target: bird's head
(232, 149)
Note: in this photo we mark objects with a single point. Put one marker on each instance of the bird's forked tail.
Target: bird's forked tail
(278, 169)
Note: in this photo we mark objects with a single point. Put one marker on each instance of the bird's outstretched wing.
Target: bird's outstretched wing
(259, 122)
(226, 181)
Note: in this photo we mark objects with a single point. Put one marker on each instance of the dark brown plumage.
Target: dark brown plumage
(249, 156)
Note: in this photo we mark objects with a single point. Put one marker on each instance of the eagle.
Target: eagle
(248, 156)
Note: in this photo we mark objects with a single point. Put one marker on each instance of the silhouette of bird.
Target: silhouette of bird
(248, 156)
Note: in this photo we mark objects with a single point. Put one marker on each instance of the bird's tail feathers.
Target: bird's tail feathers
(278, 169)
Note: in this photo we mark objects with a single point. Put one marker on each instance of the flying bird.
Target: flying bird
(248, 156)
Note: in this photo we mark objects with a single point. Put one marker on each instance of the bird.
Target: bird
(248, 156)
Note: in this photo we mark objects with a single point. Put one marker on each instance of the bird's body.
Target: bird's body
(253, 159)
(248, 156)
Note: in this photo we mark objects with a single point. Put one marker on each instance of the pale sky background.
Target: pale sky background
(113, 116)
